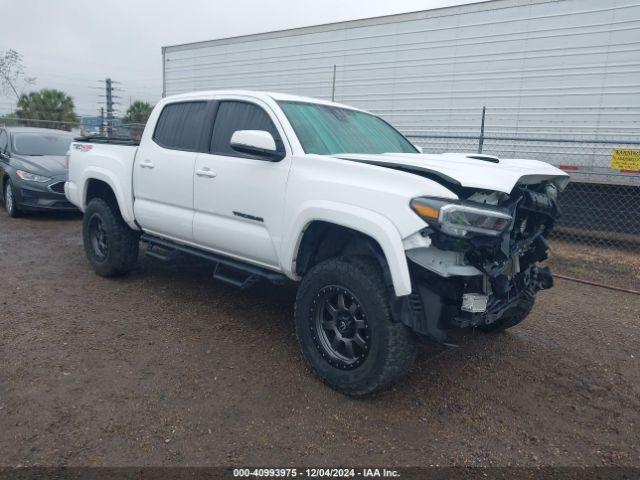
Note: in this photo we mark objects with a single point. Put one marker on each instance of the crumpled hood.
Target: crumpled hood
(47, 165)
(460, 169)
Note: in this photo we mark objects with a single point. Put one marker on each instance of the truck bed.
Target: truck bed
(105, 160)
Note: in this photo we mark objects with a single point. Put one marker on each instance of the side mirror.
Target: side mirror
(256, 142)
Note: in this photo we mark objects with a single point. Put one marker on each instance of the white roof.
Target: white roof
(265, 96)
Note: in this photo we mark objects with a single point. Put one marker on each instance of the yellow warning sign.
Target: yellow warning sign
(625, 159)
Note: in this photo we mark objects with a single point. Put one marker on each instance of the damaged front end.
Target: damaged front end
(476, 263)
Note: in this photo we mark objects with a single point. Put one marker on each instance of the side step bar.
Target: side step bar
(228, 270)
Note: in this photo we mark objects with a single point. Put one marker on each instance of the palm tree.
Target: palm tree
(136, 117)
(48, 108)
(138, 112)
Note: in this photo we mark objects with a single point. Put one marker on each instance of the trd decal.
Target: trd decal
(82, 147)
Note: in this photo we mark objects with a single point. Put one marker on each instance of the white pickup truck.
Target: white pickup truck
(385, 242)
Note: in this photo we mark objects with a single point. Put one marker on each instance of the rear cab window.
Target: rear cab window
(180, 126)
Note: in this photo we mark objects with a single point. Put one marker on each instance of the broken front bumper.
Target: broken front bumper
(438, 304)
(475, 280)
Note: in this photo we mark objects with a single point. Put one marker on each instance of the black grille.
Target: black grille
(57, 187)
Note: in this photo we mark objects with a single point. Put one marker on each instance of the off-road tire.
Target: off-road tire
(123, 242)
(391, 345)
(10, 205)
(511, 318)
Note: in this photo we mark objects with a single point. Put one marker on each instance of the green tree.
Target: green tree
(136, 117)
(48, 108)
(138, 112)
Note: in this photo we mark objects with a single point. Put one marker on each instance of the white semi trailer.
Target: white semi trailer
(560, 80)
(546, 70)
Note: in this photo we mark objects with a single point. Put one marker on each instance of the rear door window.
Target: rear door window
(238, 115)
(180, 126)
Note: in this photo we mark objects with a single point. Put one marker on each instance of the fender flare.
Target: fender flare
(367, 222)
(104, 175)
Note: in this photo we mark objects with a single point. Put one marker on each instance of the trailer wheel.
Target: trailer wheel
(110, 245)
(345, 328)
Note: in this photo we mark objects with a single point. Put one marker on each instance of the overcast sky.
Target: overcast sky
(73, 45)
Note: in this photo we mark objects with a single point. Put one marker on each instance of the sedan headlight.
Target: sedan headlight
(31, 177)
(461, 219)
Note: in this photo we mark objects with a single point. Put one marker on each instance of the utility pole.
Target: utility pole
(109, 101)
(107, 113)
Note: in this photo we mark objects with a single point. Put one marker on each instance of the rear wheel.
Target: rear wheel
(110, 245)
(10, 201)
(345, 328)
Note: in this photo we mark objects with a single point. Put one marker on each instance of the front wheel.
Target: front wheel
(110, 245)
(345, 329)
(10, 201)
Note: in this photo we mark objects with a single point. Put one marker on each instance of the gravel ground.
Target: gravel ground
(610, 266)
(168, 367)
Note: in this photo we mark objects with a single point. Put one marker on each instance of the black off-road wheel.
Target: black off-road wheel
(10, 202)
(511, 318)
(110, 245)
(345, 328)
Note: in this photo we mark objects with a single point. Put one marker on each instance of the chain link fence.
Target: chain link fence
(600, 206)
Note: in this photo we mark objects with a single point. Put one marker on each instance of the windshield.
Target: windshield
(41, 143)
(328, 130)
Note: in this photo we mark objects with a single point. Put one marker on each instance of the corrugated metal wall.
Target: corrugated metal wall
(567, 68)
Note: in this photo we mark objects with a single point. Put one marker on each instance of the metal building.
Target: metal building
(560, 79)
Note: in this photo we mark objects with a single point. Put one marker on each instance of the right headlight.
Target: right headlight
(461, 219)
(31, 177)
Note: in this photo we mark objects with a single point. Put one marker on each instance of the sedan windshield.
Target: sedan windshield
(329, 130)
(41, 143)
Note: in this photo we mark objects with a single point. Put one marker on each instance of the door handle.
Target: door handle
(146, 164)
(206, 172)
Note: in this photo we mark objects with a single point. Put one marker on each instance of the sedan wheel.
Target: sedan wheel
(10, 201)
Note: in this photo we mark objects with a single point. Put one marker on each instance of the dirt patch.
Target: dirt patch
(610, 266)
(168, 367)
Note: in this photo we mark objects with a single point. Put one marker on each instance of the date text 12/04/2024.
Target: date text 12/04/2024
(315, 473)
